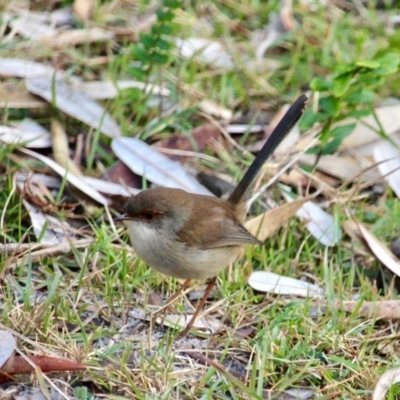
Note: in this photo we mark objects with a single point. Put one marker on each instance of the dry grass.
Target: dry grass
(91, 302)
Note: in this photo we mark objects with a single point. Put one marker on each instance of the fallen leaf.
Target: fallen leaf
(18, 365)
(389, 378)
(376, 247)
(205, 50)
(366, 128)
(387, 158)
(83, 9)
(26, 69)
(273, 283)
(264, 225)
(289, 394)
(14, 95)
(108, 90)
(25, 135)
(50, 229)
(181, 321)
(319, 223)
(61, 149)
(30, 28)
(342, 167)
(208, 323)
(110, 188)
(200, 138)
(119, 173)
(143, 160)
(7, 346)
(240, 129)
(385, 309)
(101, 185)
(76, 36)
(74, 103)
(211, 108)
(76, 181)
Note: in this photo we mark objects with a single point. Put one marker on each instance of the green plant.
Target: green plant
(152, 53)
(349, 92)
(81, 393)
(154, 48)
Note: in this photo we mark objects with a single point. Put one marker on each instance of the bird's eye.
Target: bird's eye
(148, 215)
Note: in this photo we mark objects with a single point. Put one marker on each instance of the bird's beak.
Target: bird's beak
(121, 218)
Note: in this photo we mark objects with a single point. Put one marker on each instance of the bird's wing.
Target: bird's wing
(216, 231)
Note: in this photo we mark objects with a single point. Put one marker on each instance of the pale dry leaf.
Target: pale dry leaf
(53, 182)
(76, 181)
(379, 250)
(264, 225)
(33, 126)
(76, 37)
(270, 282)
(342, 167)
(206, 50)
(385, 309)
(319, 223)
(7, 346)
(31, 28)
(60, 17)
(208, 323)
(388, 159)
(74, 103)
(25, 69)
(25, 135)
(13, 95)
(351, 228)
(366, 151)
(108, 90)
(211, 108)
(389, 378)
(154, 166)
(50, 229)
(110, 188)
(235, 129)
(83, 9)
(22, 178)
(366, 128)
(296, 394)
(61, 148)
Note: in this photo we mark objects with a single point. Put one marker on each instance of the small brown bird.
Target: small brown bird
(192, 236)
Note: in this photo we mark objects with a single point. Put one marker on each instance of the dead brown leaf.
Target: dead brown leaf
(264, 225)
(83, 9)
(385, 309)
(375, 246)
(201, 137)
(76, 37)
(18, 365)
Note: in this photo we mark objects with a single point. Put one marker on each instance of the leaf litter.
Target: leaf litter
(77, 99)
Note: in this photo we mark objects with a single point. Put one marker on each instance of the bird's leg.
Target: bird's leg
(210, 286)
